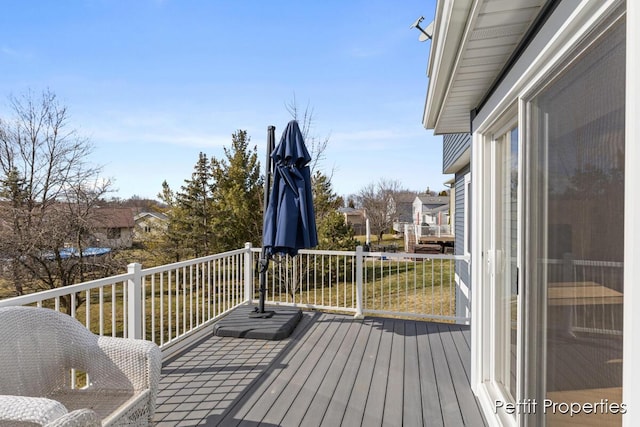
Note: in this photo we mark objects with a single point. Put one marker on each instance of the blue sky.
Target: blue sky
(153, 82)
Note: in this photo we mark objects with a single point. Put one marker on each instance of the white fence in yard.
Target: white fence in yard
(164, 304)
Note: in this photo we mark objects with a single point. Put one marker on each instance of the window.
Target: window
(114, 233)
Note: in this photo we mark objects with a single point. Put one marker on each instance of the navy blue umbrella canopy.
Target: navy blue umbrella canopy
(289, 222)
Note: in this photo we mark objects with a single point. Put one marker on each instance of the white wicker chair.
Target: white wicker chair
(38, 349)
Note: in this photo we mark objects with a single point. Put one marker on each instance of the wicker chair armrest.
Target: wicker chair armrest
(36, 410)
(140, 361)
(78, 418)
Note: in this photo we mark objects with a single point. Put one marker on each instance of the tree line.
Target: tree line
(221, 206)
(49, 193)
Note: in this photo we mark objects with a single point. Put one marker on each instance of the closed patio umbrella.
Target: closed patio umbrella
(289, 219)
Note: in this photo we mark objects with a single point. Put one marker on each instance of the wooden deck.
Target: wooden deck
(332, 371)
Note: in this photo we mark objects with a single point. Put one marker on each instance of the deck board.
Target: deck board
(331, 371)
(393, 404)
(466, 399)
(412, 408)
(446, 391)
(267, 396)
(338, 404)
(303, 388)
(358, 400)
(374, 409)
(431, 409)
(324, 393)
(463, 349)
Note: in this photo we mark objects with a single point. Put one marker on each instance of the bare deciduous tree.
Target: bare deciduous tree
(48, 192)
(378, 202)
(315, 144)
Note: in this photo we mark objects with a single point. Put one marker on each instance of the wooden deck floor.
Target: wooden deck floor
(332, 371)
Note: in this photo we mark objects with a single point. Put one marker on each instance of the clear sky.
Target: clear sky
(153, 82)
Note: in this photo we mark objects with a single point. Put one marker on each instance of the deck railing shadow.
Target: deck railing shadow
(228, 414)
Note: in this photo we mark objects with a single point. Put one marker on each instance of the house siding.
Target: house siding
(453, 146)
(463, 303)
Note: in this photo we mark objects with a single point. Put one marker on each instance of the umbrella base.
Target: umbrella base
(264, 315)
(240, 323)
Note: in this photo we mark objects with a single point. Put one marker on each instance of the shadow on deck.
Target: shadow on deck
(331, 371)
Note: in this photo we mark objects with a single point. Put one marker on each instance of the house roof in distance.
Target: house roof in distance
(112, 218)
(158, 215)
(433, 200)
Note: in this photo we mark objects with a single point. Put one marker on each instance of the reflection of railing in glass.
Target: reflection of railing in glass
(587, 294)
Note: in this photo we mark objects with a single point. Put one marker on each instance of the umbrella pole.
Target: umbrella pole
(264, 256)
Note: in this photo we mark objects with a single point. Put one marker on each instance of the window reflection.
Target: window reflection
(578, 194)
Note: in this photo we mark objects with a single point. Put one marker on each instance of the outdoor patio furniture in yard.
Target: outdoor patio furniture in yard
(40, 347)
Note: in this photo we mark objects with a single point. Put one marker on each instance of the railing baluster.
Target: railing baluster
(177, 284)
(113, 310)
(125, 320)
(191, 297)
(161, 329)
(87, 309)
(210, 300)
(101, 309)
(143, 315)
(359, 267)
(153, 308)
(73, 305)
(169, 306)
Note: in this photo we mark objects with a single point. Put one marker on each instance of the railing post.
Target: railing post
(134, 308)
(359, 280)
(248, 273)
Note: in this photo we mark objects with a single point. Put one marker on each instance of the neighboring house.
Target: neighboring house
(404, 210)
(112, 227)
(537, 102)
(430, 210)
(149, 225)
(355, 218)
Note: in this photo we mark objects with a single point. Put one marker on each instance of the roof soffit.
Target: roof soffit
(493, 29)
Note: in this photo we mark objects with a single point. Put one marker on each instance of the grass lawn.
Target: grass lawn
(401, 285)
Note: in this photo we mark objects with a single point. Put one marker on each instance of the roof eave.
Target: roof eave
(450, 26)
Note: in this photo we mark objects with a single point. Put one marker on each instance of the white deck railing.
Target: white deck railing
(166, 303)
(397, 284)
(443, 230)
(162, 304)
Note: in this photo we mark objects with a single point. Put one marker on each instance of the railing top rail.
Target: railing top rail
(187, 263)
(66, 290)
(380, 254)
(316, 252)
(408, 255)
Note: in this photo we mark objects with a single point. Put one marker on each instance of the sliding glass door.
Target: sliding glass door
(575, 250)
(501, 246)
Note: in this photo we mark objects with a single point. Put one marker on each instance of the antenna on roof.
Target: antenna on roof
(427, 33)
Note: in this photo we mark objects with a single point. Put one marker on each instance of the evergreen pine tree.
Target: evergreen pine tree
(195, 210)
(237, 194)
